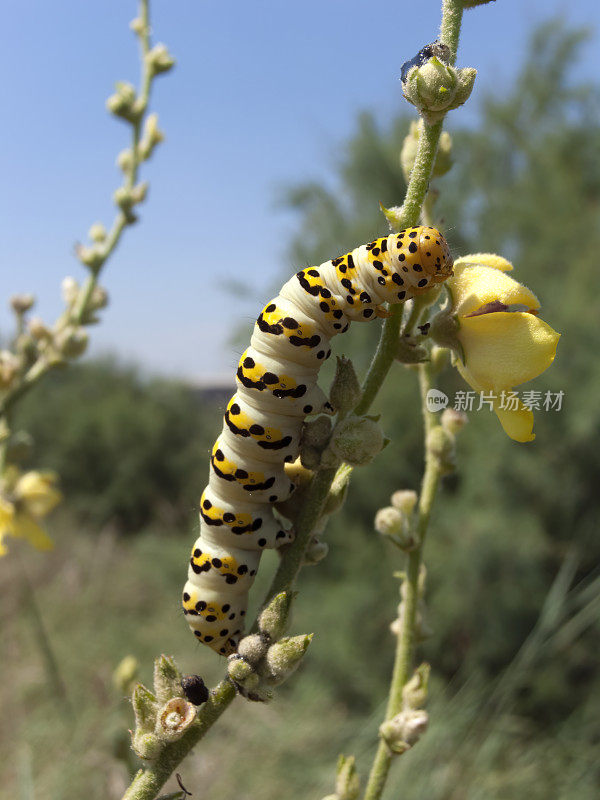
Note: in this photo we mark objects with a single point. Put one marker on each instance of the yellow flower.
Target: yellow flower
(24, 499)
(504, 343)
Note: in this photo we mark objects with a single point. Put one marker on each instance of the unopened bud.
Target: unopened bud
(122, 103)
(252, 648)
(10, 366)
(284, 656)
(21, 303)
(347, 781)
(139, 192)
(159, 59)
(404, 500)
(125, 160)
(99, 298)
(125, 674)
(453, 421)
(345, 390)
(442, 446)
(273, 619)
(152, 137)
(403, 731)
(414, 693)
(315, 552)
(167, 679)
(70, 290)
(72, 341)
(435, 87)
(92, 257)
(174, 718)
(146, 745)
(316, 432)
(38, 330)
(357, 440)
(97, 232)
(145, 708)
(410, 351)
(239, 669)
(137, 26)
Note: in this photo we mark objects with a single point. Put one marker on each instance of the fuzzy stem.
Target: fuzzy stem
(405, 643)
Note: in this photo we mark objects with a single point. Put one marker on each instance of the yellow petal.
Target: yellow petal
(483, 259)
(27, 528)
(504, 349)
(518, 423)
(476, 286)
(37, 491)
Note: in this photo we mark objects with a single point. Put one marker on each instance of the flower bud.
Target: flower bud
(38, 330)
(315, 552)
(97, 232)
(284, 656)
(410, 351)
(125, 674)
(137, 26)
(444, 330)
(159, 59)
(21, 303)
(238, 668)
(273, 619)
(345, 390)
(436, 87)
(140, 192)
(403, 731)
(252, 648)
(146, 745)
(404, 500)
(99, 298)
(393, 524)
(174, 718)
(71, 342)
(310, 456)
(125, 160)
(152, 136)
(145, 708)
(453, 421)
(347, 782)
(357, 440)
(92, 257)
(124, 199)
(414, 693)
(316, 432)
(122, 103)
(167, 679)
(10, 366)
(442, 446)
(70, 290)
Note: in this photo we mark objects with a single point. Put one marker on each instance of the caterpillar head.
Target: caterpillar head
(423, 259)
(434, 254)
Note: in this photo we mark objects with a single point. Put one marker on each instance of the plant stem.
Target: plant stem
(405, 642)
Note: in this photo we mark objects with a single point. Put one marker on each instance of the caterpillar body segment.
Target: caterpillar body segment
(276, 389)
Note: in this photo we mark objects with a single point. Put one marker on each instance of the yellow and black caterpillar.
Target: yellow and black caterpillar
(276, 389)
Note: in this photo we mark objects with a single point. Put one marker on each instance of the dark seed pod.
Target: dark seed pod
(194, 689)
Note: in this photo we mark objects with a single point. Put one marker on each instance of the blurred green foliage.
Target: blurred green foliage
(513, 579)
(129, 450)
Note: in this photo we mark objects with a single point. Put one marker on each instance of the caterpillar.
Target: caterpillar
(276, 389)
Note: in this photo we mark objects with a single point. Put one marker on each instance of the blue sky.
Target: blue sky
(262, 95)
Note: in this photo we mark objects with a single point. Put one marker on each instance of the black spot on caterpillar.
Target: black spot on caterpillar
(276, 388)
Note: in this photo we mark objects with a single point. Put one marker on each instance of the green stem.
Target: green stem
(405, 643)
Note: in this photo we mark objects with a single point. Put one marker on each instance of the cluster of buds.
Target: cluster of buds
(421, 628)
(441, 439)
(404, 730)
(397, 521)
(433, 85)
(163, 715)
(267, 658)
(347, 781)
